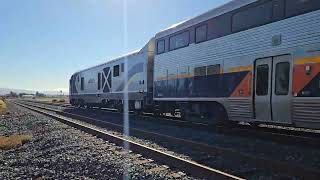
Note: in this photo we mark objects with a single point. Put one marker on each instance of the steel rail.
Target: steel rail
(190, 167)
(277, 166)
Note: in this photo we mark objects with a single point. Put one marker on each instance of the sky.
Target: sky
(43, 42)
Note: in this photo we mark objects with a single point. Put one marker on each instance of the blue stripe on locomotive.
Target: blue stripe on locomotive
(221, 85)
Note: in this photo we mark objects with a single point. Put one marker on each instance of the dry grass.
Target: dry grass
(3, 107)
(13, 141)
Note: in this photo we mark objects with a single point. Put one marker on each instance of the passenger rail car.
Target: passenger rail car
(249, 60)
(104, 85)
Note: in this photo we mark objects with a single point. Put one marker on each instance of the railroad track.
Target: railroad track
(289, 137)
(274, 166)
(190, 167)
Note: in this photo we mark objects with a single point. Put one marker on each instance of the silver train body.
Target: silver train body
(250, 60)
(105, 84)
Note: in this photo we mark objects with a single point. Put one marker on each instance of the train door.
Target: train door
(263, 71)
(273, 77)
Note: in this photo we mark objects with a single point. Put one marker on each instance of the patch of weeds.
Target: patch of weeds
(3, 128)
(13, 141)
(3, 107)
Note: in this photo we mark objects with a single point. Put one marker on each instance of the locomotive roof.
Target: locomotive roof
(113, 60)
(230, 6)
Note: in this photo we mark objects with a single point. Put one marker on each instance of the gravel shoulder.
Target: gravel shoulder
(57, 151)
(265, 149)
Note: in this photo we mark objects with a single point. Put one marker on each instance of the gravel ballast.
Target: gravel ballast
(57, 151)
(295, 154)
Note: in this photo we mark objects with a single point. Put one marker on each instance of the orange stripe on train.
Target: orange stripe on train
(244, 88)
(307, 60)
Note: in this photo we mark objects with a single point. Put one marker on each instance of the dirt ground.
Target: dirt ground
(63, 99)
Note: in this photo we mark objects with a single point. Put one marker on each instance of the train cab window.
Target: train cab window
(252, 17)
(282, 78)
(201, 33)
(200, 71)
(296, 7)
(116, 71)
(213, 69)
(99, 81)
(82, 84)
(262, 80)
(179, 41)
(161, 47)
(78, 78)
(122, 67)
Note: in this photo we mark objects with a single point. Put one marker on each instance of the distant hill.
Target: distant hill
(4, 91)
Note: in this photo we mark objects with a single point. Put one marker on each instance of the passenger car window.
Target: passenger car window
(213, 69)
(116, 71)
(219, 26)
(296, 7)
(282, 78)
(252, 17)
(161, 46)
(201, 33)
(262, 81)
(179, 41)
(200, 71)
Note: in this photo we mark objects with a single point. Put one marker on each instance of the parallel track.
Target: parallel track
(275, 166)
(289, 137)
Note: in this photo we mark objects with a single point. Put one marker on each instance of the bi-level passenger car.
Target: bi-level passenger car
(249, 60)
